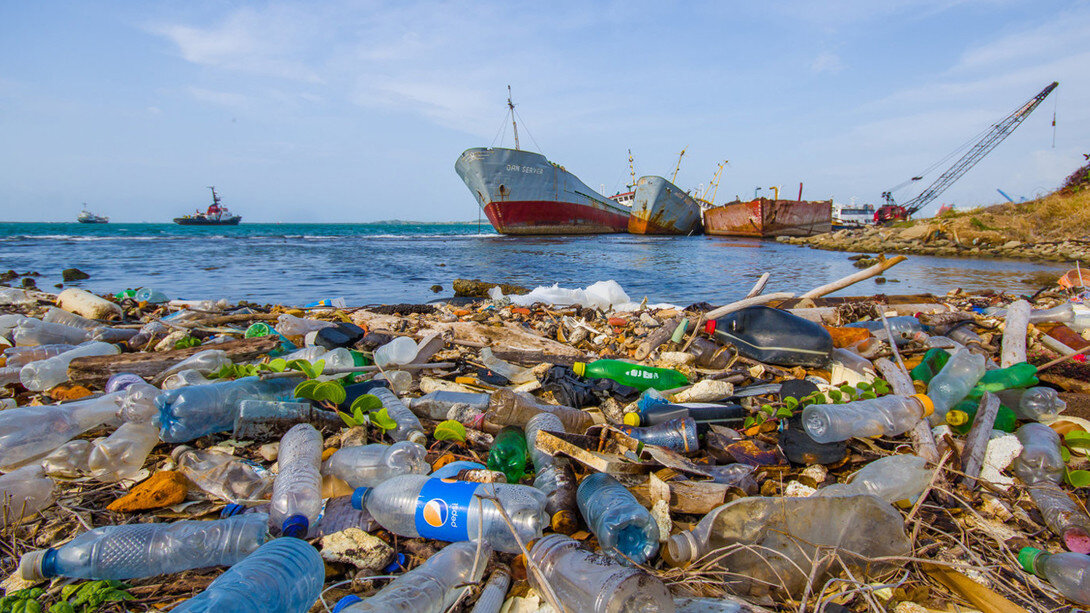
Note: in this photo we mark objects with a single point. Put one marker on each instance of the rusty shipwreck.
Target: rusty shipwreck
(764, 218)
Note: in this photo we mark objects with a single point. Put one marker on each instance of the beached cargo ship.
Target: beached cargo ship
(660, 207)
(765, 218)
(521, 192)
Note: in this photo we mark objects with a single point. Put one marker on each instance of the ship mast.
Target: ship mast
(678, 167)
(511, 108)
(631, 170)
(713, 186)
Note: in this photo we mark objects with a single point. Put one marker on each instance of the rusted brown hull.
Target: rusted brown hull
(660, 207)
(764, 218)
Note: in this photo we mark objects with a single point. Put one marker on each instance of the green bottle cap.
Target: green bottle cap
(258, 329)
(1027, 557)
(580, 368)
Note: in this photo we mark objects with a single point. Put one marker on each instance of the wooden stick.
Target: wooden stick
(1063, 359)
(345, 371)
(1014, 334)
(759, 286)
(745, 302)
(873, 271)
(922, 439)
(977, 441)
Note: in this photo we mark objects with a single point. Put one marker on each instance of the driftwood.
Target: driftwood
(219, 320)
(1014, 334)
(96, 369)
(977, 441)
(657, 337)
(745, 302)
(922, 439)
(873, 271)
(759, 286)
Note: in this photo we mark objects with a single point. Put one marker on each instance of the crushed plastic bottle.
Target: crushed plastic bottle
(452, 511)
(625, 529)
(32, 432)
(431, 587)
(508, 453)
(464, 407)
(261, 419)
(21, 356)
(23, 493)
(515, 374)
(284, 575)
(145, 550)
(224, 476)
(69, 460)
(554, 475)
(45, 374)
(370, 465)
(122, 454)
(297, 490)
(1040, 460)
(1033, 404)
(508, 408)
(185, 378)
(290, 325)
(14, 297)
(408, 426)
(886, 416)
(192, 412)
(678, 434)
(1067, 572)
(494, 592)
(205, 362)
(893, 479)
(1062, 515)
(399, 351)
(953, 383)
(905, 328)
(32, 331)
(585, 581)
(633, 375)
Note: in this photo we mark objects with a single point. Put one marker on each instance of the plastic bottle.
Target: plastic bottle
(508, 453)
(24, 492)
(32, 432)
(1033, 404)
(678, 434)
(584, 581)
(59, 316)
(36, 332)
(261, 419)
(205, 362)
(9, 322)
(953, 383)
(13, 296)
(886, 416)
(400, 382)
(310, 354)
(1063, 313)
(1067, 572)
(45, 374)
(408, 426)
(185, 378)
(554, 475)
(224, 476)
(451, 470)
(508, 408)
(9, 375)
(1062, 515)
(297, 490)
(632, 375)
(892, 478)
(290, 325)
(69, 460)
(703, 413)
(121, 455)
(192, 412)
(625, 529)
(905, 328)
(449, 510)
(1040, 460)
(283, 575)
(1019, 375)
(960, 418)
(399, 351)
(150, 296)
(494, 592)
(431, 587)
(515, 374)
(21, 356)
(464, 407)
(262, 329)
(144, 550)
(370, 465)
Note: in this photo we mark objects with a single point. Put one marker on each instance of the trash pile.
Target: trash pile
(565, 450)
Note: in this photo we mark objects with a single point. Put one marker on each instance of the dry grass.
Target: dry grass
(1055, 217)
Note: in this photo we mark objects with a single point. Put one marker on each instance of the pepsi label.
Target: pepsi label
(442, 509)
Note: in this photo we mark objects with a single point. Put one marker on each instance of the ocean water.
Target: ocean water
(388, 263)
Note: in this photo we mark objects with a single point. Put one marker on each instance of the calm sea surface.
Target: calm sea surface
(386, 263)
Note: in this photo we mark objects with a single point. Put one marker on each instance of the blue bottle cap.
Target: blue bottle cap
(396, 565)
(357, 497)
(231, 510)
(296, 526)
(345, 602)
(49, 563)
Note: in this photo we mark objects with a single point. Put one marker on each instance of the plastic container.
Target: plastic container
(408, 426)
(960, 418)
(264, 419)
(515, 374)
(32, 331)
(370, 465)
(494, 592)
(205, 362)
(905, 328)
(13, 296)
(290, 325)
(508, 453)
(1033, 404)
(24, 492)
(185, 378)
(893, 479)
(431, 587)
(45, 374)
(297, 490)
(399, 351)
(1019, 375)
(1062, 515)
(953, 383)
(464, 407)
(224, 476)
(886, 416)
(773, 336)
(59, 316)
(283, 575)
(1067, 572)
(704, 414)
(633, 375)
(1040, 460)
(122, 454)
(69, 460)
(32, 432)
(21, 356)
(585, 581)
(192, 412)
(145, 550)
(508, 408)
(150, 296)
(625, 529)
(400, 381)
(449, 510)
(678, 434)
(553, 475)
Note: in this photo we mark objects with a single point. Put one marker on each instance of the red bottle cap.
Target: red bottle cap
(709, 327)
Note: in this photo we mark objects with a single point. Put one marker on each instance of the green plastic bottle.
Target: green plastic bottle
(632, 375)
(932, 363)
(960, 418)
(263, 329)
(1023, 374)
(508, 453)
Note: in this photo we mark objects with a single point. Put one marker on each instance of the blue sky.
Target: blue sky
(356, 111)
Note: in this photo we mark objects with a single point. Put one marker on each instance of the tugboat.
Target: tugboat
(86, 216)
(216, 215)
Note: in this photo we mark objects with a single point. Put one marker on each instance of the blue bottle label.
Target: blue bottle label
(442, 509)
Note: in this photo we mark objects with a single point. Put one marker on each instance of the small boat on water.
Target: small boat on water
(852, 215)
(86, 216)
(765, 218)
(216, 215)
(660, 207)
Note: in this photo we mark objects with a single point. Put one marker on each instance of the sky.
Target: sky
(355, 111)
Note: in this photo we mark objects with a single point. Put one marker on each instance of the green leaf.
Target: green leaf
(1077, 478)
(1077, 439)
(277, 365)
(312, 371)
(329, 391)
(366, 402)
(767, 408)
(450, 430)
(863, 385)
(359, 416)
(836, 395)
(791, 403)
(784, 412)
(306, 389)
(68, 590)
(382, 419)
(748, 422)
(187, 341)
(869, 394)
(1065, 454)
(62, 607)
(881, 386)
(847, 390)
(348, 420)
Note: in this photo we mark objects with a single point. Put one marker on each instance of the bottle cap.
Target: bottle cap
(1027, 557)
(231, 510)
(31, 565)
(632, 419)
(357, 497)
(296, 526)
(258, 329)
(397, 564)
(709, 326)
(345, 602)
(564, 522)
(928, 406)
(418, 437)
(580, 368)
(955, 417)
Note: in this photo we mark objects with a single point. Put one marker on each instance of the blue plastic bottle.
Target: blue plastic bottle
(191, 412)
(625, 529)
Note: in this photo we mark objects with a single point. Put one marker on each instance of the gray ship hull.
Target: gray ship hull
(661, 207)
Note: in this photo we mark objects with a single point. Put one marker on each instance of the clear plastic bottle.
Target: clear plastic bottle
(144, 550)
(886, 416)
(21, 356)
(310, 354)
(515, 374)
(625, 529)
(1063, 313)
(588, 582)
(9, 375)
(554, 475)
(678, 434)
(1067, 572)
(904, 328)
(24, 492)
(408, 426)
(508, 408)
(69, 460)
(45, 374)
(284, 575)
(399, 351)
(449, 510)
(494, 592)
(185, 378)
(36, 332)
(1040, 460)
(32, 432)
(11, 296)
(464, 407)
(224, 476)
(9, 322)
(121, 455)
(59, 316)
(1062, 515)
(192, 412)
(400, 381)
(954, 382)
(1035, 403)
(433, 586)
(261, 419)
(370, 465)
(290, 325)
(892, 478)
(297, 490)
(150, 295)
(204, 362)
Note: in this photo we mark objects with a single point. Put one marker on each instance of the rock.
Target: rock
(269, 451)
(708, 390)
(29, 283)
(648, 321)
(479, 289)
(8, 276)
(1012, 244)
(73, 274)
(795, 489)
(356, 547)
(916, 232)
(163, 489)
(436, 288)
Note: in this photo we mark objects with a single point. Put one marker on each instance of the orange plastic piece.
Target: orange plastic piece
(163, 489)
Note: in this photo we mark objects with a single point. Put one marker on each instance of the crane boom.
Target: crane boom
(981, 148)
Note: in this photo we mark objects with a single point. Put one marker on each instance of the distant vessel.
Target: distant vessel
(86, 216)
(661, 207)
(766, 218)
(216, 215)
(852, 215)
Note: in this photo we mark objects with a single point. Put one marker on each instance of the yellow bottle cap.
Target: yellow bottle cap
(579, 368)
(631, 419)
(956, 418)
(928, 406)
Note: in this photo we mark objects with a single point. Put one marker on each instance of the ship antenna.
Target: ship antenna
(511, 107)
(215, 198)
(631, 170)
(678, 167)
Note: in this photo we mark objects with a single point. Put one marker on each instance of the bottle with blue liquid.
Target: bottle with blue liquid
(189, 413)
(625, 529)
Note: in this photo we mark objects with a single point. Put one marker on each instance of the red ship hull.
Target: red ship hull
(544, 217)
